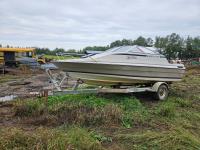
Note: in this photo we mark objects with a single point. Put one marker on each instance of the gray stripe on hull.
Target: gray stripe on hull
(103, 79)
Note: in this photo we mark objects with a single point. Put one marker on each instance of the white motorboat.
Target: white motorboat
(124, 65)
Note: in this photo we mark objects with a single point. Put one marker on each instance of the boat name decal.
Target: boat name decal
(131, 57)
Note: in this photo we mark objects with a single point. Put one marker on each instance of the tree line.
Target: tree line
(172, 46)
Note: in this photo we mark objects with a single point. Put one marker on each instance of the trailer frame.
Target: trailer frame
(160, 89)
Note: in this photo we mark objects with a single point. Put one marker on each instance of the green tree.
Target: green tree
(95, 48)
(160, 42)
(141, 41)
(149, 42)
(126, 42)
(188, 49)
(116, 43)
(196, 47)
(40, 51)
(57, 50)
(71, 51)
(174, 47)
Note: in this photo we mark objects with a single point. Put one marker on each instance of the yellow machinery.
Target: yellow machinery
(1, 57)
(10, 54)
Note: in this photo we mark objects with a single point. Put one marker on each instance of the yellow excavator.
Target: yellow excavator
(10, 55)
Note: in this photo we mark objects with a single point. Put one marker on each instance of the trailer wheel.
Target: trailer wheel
(162, 92)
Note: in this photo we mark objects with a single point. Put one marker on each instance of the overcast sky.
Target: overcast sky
(80, 23)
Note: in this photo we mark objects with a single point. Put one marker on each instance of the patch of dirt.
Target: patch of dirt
(6, 115)
(8, 118)
(43, 120)
(22, 84)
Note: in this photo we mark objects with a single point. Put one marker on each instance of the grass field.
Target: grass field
(54, 57)
(111, 121)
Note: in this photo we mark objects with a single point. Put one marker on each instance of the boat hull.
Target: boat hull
(120, 74)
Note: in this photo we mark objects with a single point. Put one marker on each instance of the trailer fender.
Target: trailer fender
(157, 85)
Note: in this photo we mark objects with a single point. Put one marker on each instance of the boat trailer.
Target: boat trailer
(160, 89)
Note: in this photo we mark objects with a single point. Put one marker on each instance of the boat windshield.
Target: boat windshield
(139, 50)
(113, 49)
(134, 49)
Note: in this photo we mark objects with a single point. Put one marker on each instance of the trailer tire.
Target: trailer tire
(162, 92)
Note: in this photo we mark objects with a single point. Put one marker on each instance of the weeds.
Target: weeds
(29, 108)
(183, 102)
(100, 137)
(83, 140)
(83, 110)
(134, 112)
(177, 138)
(85, 99)
(42, 138)
(112, 121)
(132, 124)
(166, 109)
(131, 104)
